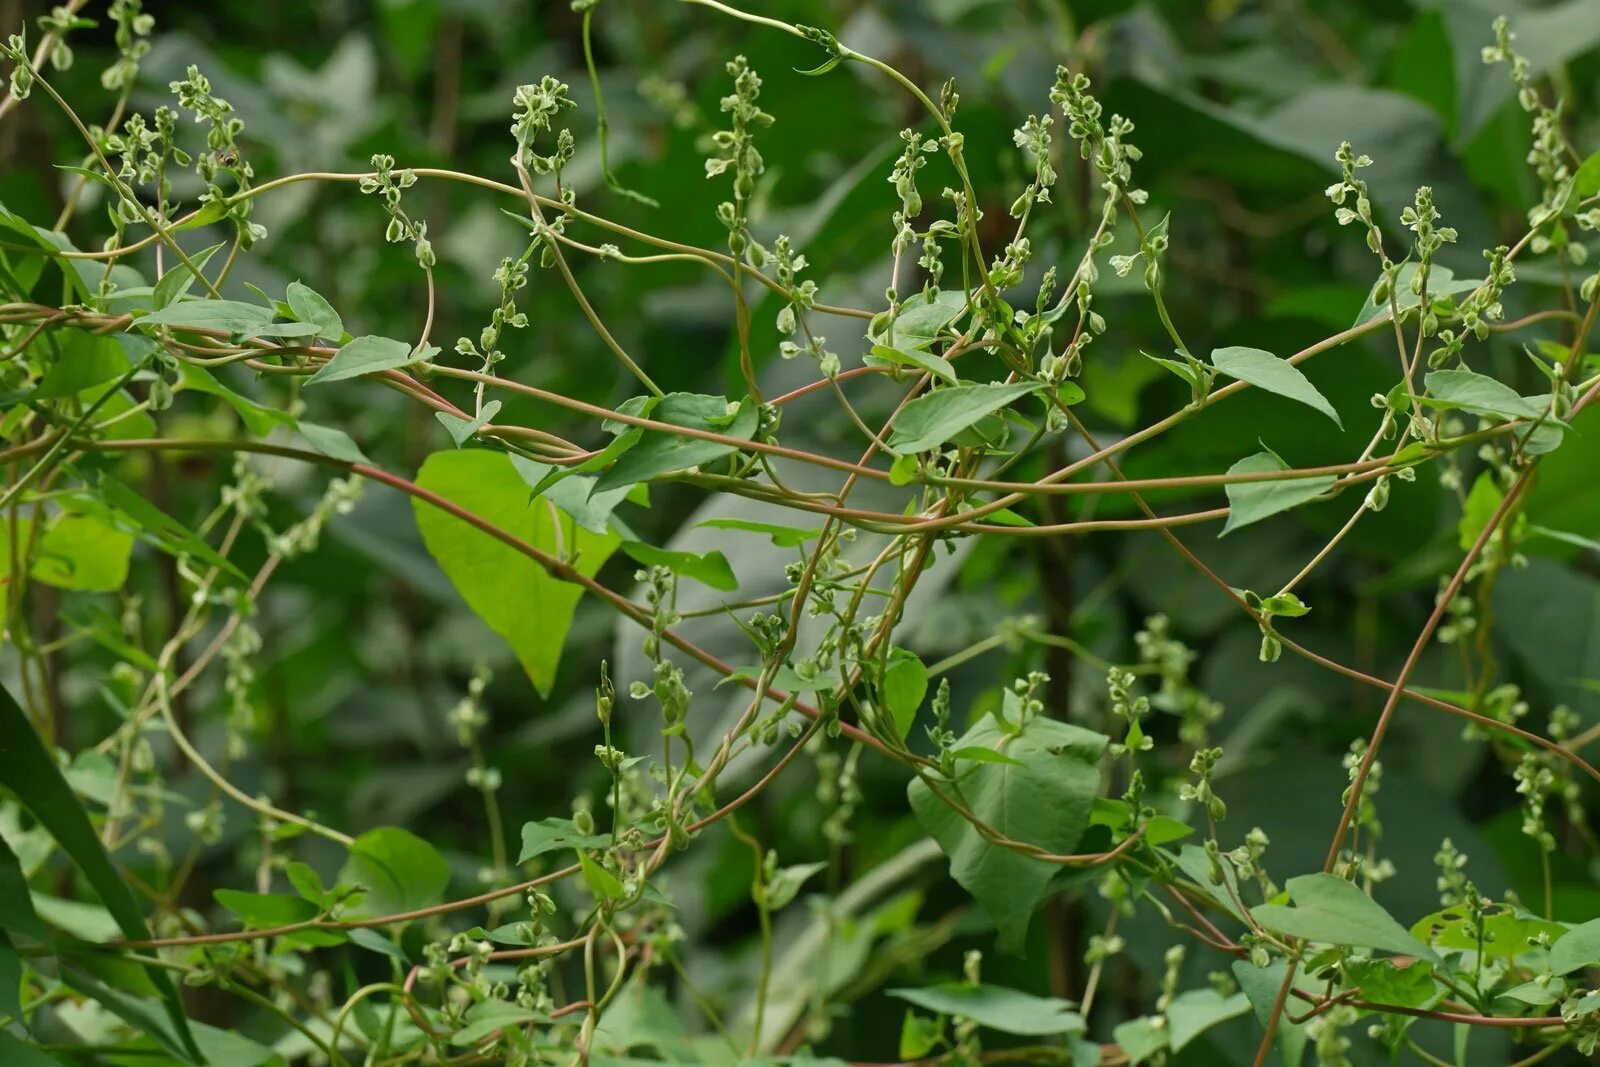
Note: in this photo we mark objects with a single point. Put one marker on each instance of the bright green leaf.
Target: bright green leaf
(85, 552)
(905, 683)
(511, 592)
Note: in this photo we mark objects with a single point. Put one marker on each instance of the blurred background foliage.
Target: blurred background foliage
(1239, 106)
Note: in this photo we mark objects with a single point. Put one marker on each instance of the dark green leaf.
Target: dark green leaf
(1250, 502)
(1043, 799)
(1481, 395)
(401, 871)
(221, 316)
(82, 360)
(710, 568)
(27, 769)
(16, 906)
(309, 306)
(1266, 371)
(177, 281)
(15, 1052)
(659, 452)
(553, 834)
(932, 419)
(1333, 911)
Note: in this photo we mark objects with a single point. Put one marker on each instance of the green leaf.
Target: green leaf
(919, 321)
(1442, 282)
(780, 535)
(82, 361)
(1250, 502)
(265, 909)
(83, 552)
(373, 941)
(553, 834)
(161, 529)
(1010, 1011)
(982, 754)
(307, 882)
(332, 442)
(462, 430)
(512, 593)
(601, 882)
(10, 983)
(487, 1017)
(83, 920)
(1587, 180)
(1195, 862)
(1266, 371)
(933, 418)
(1261, 985)
(918, 1036)
(309, 306)
(934, 365)
(573, 494)
(1387, 982)
(29, 771)
(367, 355)
(1481, 395)
(176, 282)
(257, 418)
(1140, 1038)
(233, 1048)
(1578, 947)
(822, 68)
(905, 683)
(1333, 911)
(140, 1012)
(1044, 798)
(401, 871)
(16, 906)
(1193, 1013)
(711, 568)
(15, 1052)
(231, 317)
(658, 452)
